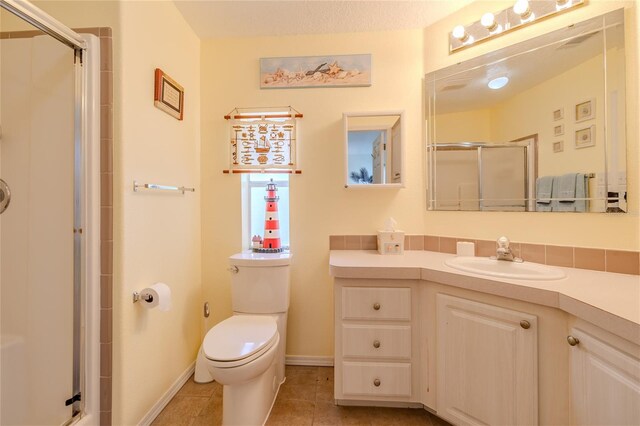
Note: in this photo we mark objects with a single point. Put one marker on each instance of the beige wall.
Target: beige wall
(157, 236)
(476, 128)
(589, 230)
(320, 205)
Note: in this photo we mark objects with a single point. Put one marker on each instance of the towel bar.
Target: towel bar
(182, 189)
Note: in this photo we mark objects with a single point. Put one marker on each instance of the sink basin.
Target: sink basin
(505, 269)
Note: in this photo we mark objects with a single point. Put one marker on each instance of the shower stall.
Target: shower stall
(482, 176)
(49, 221)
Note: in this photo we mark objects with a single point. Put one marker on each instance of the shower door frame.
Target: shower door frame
(85, 222)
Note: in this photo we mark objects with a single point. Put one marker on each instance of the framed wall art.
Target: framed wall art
(558, 130)
(586, 110)
(586, 137)
(315, 71)
(168, 95)
(558, 146)
(558, 114)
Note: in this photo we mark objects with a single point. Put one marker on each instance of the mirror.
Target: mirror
(373, 149)
(548, 136)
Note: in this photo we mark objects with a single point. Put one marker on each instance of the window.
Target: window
(253, 205)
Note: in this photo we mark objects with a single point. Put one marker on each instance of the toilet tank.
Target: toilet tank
(261, 283)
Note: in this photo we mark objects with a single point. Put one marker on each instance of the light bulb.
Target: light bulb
(521, 8)
(563, 4)
(460, 33)
(488, 21)
(498, 83)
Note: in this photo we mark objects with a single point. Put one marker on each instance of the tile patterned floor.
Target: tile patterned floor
(306, 398)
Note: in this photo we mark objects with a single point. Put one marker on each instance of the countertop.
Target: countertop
(606, 299)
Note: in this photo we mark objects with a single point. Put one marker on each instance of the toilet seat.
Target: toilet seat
(239, 340)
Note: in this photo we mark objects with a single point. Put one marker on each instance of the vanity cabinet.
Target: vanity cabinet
(487, 365)
(375, 356)
(605, 380)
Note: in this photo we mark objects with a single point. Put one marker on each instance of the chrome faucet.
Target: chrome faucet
(503, 252)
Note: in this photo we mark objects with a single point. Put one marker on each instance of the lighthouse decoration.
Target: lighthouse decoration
(271, 241)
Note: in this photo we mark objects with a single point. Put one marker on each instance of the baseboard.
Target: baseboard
(320, 361)
(168, 395)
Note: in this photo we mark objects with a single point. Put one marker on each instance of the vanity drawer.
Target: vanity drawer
(376, 379)
(382, 341)
(376, 303)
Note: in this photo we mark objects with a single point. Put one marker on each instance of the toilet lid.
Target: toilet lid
(240, 337)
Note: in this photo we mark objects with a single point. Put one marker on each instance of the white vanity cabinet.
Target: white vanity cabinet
(487, 363)
(376, 358)
(605, 380)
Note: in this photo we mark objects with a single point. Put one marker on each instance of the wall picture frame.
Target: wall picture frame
(585, 137)
(585, 110)
(558, 146)
(168, 95)
(558, 130)
(558, 114)
(315, 71)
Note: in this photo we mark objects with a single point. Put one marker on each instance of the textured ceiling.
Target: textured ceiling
(240, 18)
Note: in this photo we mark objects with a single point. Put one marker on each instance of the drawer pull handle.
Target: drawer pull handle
(376, 344)
(573, 341)
(525, 324)
(376, 382)
(376, 306)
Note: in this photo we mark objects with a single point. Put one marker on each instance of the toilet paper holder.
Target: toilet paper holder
(137, 296)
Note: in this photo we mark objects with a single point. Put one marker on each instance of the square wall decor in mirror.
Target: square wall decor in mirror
(373, 149)
(536, 126)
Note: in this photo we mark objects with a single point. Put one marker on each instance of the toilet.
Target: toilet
(245, 353)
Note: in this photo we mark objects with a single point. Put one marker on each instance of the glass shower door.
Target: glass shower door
(37, 86)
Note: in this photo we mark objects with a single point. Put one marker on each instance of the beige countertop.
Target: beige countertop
(606, 299)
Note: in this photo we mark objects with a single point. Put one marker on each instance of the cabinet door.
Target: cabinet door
(605, 383)
(486, 365)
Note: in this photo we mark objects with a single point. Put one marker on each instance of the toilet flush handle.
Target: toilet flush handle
(234, 269)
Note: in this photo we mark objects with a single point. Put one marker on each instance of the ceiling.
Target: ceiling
(241, 18)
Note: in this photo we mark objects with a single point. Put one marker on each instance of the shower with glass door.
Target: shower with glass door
(47, 221)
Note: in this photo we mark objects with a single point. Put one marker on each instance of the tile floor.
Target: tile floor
(306, 398)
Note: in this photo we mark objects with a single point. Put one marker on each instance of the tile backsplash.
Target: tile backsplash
(620, 261)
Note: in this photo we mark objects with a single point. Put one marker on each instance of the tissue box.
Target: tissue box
(390, 242)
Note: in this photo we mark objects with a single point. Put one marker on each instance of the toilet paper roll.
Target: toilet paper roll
(161, 294)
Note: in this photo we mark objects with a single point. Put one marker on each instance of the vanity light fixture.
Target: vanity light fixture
(563, 4)
(522, 9)
(523, 12)
(488, 21)
(460, 33)
(498, 82)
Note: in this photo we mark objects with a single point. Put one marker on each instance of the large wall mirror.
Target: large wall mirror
(537, 126)
(373, 148)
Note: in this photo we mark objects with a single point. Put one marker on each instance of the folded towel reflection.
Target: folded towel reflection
(566, 187)
(582, 192)
(566, 193)
(544, 189)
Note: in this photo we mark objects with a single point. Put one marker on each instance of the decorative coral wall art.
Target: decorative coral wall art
(315, 71)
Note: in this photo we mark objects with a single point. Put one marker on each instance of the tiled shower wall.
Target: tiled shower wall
(106, 209)
(624, 262)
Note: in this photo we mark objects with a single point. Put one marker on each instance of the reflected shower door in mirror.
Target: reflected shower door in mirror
(537, 126)
(373, 148)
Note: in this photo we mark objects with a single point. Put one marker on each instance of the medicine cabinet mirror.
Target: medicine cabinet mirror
(536, 126)
(373, 149)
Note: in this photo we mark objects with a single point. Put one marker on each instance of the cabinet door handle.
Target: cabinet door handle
(376, 344)
(376, 382)
(376, 306)
(573, 341)
(525, 324)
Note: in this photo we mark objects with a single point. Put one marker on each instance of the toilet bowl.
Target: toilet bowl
(245, 352)
(241, 353)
